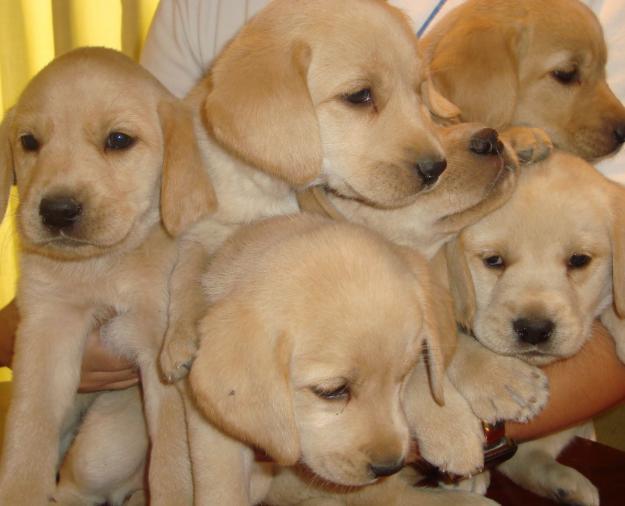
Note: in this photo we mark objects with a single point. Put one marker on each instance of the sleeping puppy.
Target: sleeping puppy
(108, 171)
(304, 353)
(532, 277)
(534, 63)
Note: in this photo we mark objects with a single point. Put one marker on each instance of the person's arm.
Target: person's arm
(101, 370)
(580, 388)
(185, 36)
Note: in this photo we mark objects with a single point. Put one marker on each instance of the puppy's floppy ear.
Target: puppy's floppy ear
(618, 252)
(439, 330)
(470, 50)
(260, 108)
(241, 380)
(7, 169)
(460, 283)
(438, 105)
(186, 190)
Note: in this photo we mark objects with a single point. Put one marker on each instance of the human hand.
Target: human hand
(100, 370)
(103, 370)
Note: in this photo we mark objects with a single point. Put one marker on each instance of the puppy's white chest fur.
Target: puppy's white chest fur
(244, 193)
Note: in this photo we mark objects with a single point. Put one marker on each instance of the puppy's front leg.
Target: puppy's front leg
(169, 475)
(497, 387)
(221, 466)
(186, 306)
(450, 436)
(48, 352)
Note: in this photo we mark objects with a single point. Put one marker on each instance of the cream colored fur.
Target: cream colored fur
(563, 208)
(111, 267)
(282, 324)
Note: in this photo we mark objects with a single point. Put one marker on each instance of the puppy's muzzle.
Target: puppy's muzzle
(381, 470)
(59, 213)
(430, 170)
(533, 330)
(486, 142)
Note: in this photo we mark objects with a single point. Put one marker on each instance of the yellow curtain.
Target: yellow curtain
(32, 32)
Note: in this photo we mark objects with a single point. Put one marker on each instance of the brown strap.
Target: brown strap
(315, 200)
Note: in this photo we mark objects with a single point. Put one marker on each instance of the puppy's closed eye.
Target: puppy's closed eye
(341, 392)
(567, 76)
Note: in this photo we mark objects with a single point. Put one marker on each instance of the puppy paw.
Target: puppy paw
(530, 144)
(497, 387)
(513, 390)
(574, 488)
(455, 443)
(178, 353)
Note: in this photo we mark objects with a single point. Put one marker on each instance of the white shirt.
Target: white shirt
(186, 35)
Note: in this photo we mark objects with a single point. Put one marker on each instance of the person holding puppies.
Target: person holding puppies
(177, 54)
(187, 34)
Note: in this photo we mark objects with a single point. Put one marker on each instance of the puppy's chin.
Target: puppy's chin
(491, 198)
(332, 475)
(380, 200)
(537, 358)
(506, 343)
(534, 356)
(73, 245)
(588, 144)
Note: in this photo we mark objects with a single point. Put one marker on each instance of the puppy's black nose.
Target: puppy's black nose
(59, 212)
(380, 469)
(533, 331)
(430, 169)
(486, 142)
(619, 133)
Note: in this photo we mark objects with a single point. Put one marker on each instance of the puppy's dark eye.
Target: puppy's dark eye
(578, 261)
(361, 97)
(570, 76)
(341, 393)
(118, 141)
(494, 262)
(29, 142)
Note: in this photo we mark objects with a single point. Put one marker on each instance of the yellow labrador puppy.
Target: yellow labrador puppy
(108, 171)
(327, 92)
(310, 332)
(533, 276)
(534, 63)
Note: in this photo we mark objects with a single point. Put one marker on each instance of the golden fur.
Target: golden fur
(285, 326)
(533, 63)
(273, 113)
(112, 263)
(553, 253)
